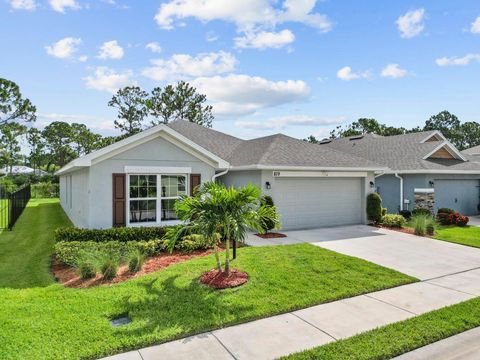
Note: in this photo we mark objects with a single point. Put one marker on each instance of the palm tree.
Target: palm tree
(218, 212)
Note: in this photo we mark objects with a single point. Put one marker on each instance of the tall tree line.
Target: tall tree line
(60, 142)
(462, 135)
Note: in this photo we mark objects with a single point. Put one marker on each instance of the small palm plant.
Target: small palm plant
(229, 212)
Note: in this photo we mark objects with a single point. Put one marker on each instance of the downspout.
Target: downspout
(214, 177)
(401, 190)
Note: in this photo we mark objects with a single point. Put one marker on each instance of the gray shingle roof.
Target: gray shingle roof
(274, 150)
(472, 151)
(401, 152)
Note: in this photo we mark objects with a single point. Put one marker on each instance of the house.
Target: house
(423, 167)
(473, 151)
(136, 181)
(22, 170)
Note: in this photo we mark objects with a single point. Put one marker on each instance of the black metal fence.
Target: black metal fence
(12, 204)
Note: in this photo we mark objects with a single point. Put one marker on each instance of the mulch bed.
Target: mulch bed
(218, 280)
(271, 235)
(68, 277)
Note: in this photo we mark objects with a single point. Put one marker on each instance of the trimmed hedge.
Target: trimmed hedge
(122, 234)
(69, 252)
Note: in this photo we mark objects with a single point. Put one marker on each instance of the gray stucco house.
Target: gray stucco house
(419, 164)
(136, 181)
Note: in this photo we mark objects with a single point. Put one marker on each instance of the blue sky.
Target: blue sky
(294, 66)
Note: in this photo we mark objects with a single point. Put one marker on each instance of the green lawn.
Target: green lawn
(395, 339)
(469, 235)
(3, 214)
(25, 251)
(52, 322)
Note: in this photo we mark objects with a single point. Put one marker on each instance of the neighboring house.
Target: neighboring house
(136, 181)
(22, 170)
(473, 151)
(419, 164)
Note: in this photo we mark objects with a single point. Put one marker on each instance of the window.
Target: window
(173, 186)
(143, 198)
(145, 202)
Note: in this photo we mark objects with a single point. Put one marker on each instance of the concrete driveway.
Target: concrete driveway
(420, 257)
(474, 221)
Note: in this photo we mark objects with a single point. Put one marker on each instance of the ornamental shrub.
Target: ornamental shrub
(374, 208)
(445, 211)
(45, 190)
(268, 224)
(462, 220)
(135, 261)
(419, 223)
(407, 214)
(194, 242)
(87, 265)
(393, 220)
(109, 265)
(122, 234)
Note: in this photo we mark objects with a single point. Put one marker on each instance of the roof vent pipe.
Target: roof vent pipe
(401, 190)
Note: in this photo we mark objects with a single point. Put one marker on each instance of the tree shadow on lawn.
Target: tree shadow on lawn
(172, 309)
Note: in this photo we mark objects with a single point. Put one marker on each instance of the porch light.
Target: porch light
(267, 185)
(431, 183)
(372, 184)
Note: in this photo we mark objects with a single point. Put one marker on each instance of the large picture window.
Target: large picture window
(145, 202)
(143, 198)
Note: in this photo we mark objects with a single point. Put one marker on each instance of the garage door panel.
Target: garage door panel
(460, 195)
(307, 202)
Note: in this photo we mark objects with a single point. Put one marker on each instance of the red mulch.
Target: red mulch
(68, 277)
(218, 280)
(271, 235)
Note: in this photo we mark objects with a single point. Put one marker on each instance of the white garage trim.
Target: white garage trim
(157, 170)
(319, 174)
(318, 202)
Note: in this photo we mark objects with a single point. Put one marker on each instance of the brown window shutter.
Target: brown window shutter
(119, 188)
(195, 181)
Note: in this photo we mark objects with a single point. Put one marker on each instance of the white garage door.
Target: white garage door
(310, 203)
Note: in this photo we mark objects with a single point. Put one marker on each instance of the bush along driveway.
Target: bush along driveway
(56, 322)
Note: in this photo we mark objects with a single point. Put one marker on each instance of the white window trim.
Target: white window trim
(154, 170)
(158, 199)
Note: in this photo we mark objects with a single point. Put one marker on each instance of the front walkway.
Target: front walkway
(284, 334)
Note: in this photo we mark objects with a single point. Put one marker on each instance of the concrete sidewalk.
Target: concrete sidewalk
(284, 334)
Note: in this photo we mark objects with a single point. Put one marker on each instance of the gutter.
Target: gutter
(214, 177)
(401, 190)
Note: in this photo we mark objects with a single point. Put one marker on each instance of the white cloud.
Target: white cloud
(154, 47)
(243, 94)
(110, 50)
(265, 39)
(61, 5)
(455, 60)
(393, 71)
(106, 79)
(245, 14)
(347, 74)
(475, 27)
(83, 58)
(30, 5)
(211, 36)
(411, 23)
(184, 65)
(65, 48)
(279, 123)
